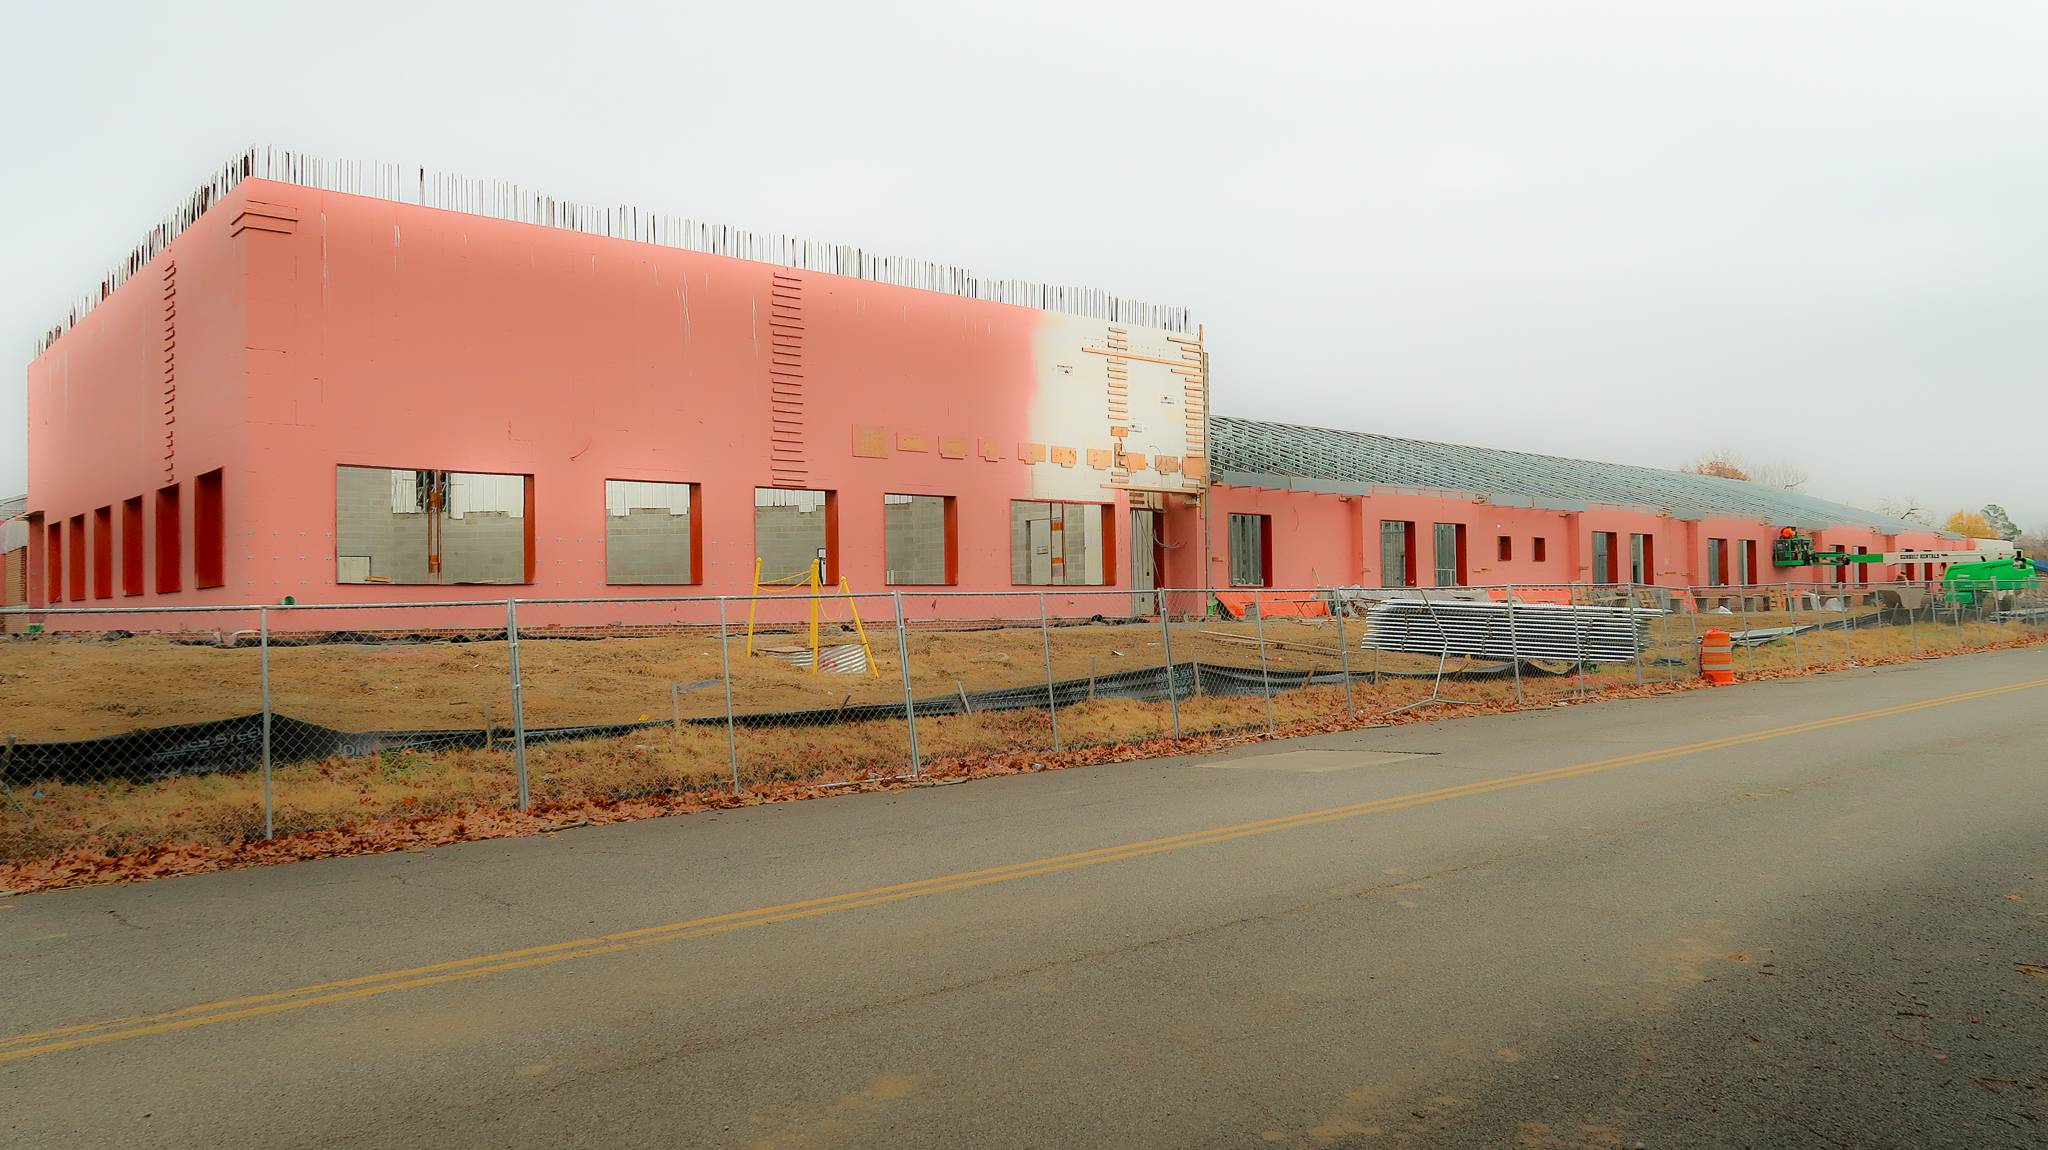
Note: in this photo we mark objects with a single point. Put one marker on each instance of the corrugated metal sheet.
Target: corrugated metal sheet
(1254, 451)
(1502, 631)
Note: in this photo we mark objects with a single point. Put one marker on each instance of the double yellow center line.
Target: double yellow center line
(68, 1038)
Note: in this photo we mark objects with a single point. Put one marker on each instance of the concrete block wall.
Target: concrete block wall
(483, 547)
(787, 539)
(647, 545)
(365, 525)
(1021, 514)
(1073, 537)
(480, 547)
(914, 540)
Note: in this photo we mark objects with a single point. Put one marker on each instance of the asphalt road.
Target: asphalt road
(1788, 914)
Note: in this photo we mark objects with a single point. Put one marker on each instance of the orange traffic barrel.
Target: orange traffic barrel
(1717, 657)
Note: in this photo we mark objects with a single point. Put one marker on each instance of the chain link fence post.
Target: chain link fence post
(1818, 594)
(1693, 615)
(1337, 608)
(263, 657)
(1848, 625)
(1052, 705)
(1172, 683)
(518, 701)
(909, 698)
(1962, 644)
(1377, 697)
(1579, 628)
(732, 743)
(1748, 643)
(1265, 665)
(1912, 620)
(1670, 671)
(1632, 634)
(1792, 614)
(1514, 644)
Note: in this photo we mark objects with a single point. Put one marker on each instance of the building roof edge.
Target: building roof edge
(499, 199)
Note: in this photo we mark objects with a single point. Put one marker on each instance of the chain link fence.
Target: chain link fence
(131, 728)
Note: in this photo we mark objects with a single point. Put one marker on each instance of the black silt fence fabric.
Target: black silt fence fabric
(230, 745)
(236, 744)
(167, 752)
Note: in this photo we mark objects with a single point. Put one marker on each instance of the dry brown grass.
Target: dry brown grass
(104, 687)
(61, 687)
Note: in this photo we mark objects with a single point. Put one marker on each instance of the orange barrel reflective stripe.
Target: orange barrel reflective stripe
(1717, 657)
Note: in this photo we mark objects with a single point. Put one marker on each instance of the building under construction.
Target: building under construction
(357, 384)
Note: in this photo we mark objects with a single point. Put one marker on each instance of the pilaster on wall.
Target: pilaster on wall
(1359, 538)
(1575, 549)
(38, 561)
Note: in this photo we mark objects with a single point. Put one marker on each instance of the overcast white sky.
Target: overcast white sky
(1626, 231)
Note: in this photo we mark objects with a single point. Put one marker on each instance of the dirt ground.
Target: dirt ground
(59, 688)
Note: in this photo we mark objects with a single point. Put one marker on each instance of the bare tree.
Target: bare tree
(1909, 509)
(1783, 475)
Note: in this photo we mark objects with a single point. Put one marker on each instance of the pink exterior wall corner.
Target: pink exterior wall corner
(317, 330)
(145, 390)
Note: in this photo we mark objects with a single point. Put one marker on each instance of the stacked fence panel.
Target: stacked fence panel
(1510, 630)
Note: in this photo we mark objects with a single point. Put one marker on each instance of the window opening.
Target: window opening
(1059, 544)
(917, 541)
(1145, 549)
(1449, 553)
(651, 532)
(103, 552)
(53, 565)
(131, 546)
(1604, 558)
(1538, 549)
(793, 529)
(76, 538)
(209, 531)
(424, 526)
(170, 555)
(1506, 549)
(1717, 562)
(1642, 562)
(1250, 537)
(1397, 553)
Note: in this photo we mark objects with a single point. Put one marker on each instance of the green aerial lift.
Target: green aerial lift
(1994, 568)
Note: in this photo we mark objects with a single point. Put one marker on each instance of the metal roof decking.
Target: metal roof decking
(1254, 452)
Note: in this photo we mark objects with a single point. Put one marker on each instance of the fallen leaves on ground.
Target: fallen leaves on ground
(87, 867)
